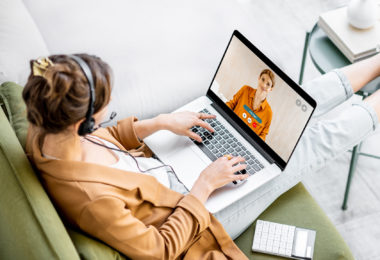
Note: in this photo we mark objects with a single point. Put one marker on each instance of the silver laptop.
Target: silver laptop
(266, 136)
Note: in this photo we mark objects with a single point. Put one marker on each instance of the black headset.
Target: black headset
(88, 125)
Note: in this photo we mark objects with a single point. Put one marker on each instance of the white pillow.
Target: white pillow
(20, 41)
(163, 53)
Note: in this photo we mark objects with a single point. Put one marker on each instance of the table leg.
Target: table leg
(354, 160)
(305, 47)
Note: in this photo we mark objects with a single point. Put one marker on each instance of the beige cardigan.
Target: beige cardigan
(132, 212)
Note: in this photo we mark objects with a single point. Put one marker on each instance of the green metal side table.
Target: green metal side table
(326, 57)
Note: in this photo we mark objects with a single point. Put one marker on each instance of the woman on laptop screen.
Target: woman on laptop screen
(251, 104)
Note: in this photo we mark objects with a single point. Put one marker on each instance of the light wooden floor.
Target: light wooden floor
(285, 23)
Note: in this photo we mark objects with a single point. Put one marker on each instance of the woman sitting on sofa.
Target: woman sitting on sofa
(149, 214)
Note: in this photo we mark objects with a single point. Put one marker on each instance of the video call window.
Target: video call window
(261, 99)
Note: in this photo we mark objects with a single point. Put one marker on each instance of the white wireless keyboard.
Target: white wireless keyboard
(283, 240)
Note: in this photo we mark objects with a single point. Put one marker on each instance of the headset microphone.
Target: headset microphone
(112, 116)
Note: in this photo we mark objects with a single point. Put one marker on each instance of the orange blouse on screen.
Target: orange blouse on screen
(245, 96)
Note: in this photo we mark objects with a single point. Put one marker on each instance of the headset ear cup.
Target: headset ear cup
(81, 129)
(87, 127)
(91, 125)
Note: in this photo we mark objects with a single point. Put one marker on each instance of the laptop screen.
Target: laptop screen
(261, 98)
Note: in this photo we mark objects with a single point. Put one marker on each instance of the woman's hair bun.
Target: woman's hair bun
(59, 97)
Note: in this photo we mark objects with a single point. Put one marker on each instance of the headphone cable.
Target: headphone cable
(137, 163)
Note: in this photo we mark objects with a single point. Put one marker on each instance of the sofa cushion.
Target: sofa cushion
(30, 228)
(15, 109)
(20, 41)
(91, 248)
(163, 53)
(297, 207)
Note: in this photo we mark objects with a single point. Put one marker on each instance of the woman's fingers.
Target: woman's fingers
(239, 167)
(237, 159)
(240, 176)
(205, 116)
(205, 125)
(193, 135)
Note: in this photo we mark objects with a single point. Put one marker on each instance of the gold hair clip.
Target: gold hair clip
(41, 65)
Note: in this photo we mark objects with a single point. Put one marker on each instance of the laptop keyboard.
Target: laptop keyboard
(222, 142)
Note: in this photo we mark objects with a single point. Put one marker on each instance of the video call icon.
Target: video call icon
(303, 106)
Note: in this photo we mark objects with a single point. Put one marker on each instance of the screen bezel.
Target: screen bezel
(276, 158)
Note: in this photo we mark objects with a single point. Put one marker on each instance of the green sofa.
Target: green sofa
(30, 227)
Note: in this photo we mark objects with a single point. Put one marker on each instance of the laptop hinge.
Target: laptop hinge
(244, 134)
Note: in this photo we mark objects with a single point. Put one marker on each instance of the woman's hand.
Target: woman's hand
(217, 174)
(181, 122)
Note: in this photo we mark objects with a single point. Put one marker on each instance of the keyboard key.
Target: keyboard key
(272, 229)
(285, 229)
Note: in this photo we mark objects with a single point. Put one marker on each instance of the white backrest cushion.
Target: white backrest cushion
(20, 41)
(163, 53)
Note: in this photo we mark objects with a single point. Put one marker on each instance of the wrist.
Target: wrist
(201, 191)
(161, 121)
